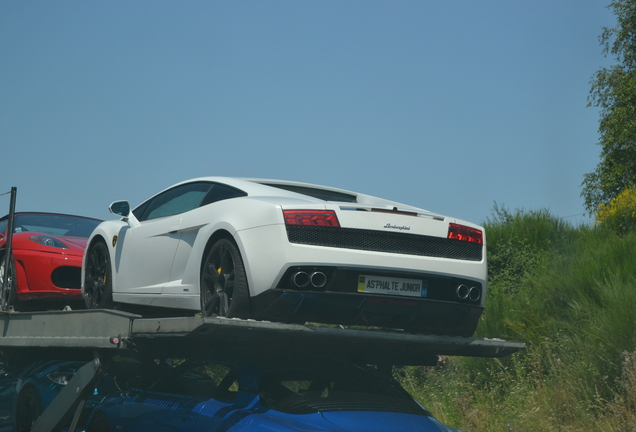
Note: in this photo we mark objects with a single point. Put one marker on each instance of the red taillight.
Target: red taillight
(323, 218)
(464, 233)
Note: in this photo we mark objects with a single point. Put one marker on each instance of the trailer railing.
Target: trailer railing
(7, 274)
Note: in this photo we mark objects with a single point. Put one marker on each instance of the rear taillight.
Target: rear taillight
(322, 218)
(464, 233)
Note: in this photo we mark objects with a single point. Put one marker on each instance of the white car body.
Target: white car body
(158, 262)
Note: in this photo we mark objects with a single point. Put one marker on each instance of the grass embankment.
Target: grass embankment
(569, 293)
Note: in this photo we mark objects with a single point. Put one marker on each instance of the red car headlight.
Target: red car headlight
(48, 241)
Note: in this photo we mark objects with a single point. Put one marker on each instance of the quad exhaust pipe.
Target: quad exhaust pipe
(463, 292)
(303, 279)
(300, 279)
(318, 279)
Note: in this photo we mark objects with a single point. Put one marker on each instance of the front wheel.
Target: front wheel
(98, 282)
(8, 293)
(224, 290)
(28, 410)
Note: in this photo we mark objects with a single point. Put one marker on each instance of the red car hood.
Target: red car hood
(77, 241)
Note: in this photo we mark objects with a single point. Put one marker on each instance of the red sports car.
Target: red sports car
(47, 250)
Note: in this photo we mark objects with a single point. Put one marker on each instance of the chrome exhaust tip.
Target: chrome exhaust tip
(474, 294)
(300, 279)
(318, 279)
(462, 292)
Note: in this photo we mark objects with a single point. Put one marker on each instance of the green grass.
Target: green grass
(569, 293)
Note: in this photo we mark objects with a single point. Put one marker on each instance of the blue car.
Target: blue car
(27, 390)
(206, 395)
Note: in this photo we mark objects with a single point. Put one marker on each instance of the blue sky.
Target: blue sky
(449, 106)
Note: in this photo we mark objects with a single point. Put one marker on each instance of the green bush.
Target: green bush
(569, 293)
(619, 215)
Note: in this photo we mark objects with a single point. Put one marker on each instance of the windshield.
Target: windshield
(311, 391)
(51, 224)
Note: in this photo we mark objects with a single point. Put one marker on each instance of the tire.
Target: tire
(223, 285)
(98, 278)
(9, 295)
(99, 423)
(28, 410)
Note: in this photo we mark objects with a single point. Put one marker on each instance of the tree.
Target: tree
(614, 92)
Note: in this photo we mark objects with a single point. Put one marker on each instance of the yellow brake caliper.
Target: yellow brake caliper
(219, 272)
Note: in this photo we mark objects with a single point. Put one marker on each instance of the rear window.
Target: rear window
(305, 392)
(325, 195)
(206, 380)
(322, 194)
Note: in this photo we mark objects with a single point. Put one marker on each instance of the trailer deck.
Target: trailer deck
(191, 336)
(101, 333)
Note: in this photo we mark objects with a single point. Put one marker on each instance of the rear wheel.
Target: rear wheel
(224, 290)
(98, 282)
(28, 409)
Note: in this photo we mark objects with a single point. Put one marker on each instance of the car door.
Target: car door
(145, 253)
(191, 223)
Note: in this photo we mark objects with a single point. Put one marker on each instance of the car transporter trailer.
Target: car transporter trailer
(100, 334)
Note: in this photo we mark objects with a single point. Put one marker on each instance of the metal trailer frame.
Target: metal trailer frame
(7, 252)
(103, 333)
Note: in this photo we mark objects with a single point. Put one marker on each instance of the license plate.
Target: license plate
(392, 286)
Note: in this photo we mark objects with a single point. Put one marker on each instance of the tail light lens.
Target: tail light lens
(323, 218)
(464, 233)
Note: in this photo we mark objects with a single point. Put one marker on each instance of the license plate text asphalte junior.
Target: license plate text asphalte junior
(392, 286)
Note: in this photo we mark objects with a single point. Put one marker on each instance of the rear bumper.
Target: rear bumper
(412, 314)
(268, 255)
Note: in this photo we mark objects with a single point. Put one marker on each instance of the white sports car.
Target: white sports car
(292, 252)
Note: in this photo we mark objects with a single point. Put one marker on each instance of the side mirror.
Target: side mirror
(120, 208)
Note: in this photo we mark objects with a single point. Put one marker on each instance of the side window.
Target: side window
(177, 200)
(141, 209)
(221, 192)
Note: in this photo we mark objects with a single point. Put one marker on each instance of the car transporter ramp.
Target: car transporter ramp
(103, 333)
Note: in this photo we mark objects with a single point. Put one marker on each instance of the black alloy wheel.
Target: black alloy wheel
(224, 290)
(8, 291)
(28, 410)
(98, 283)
